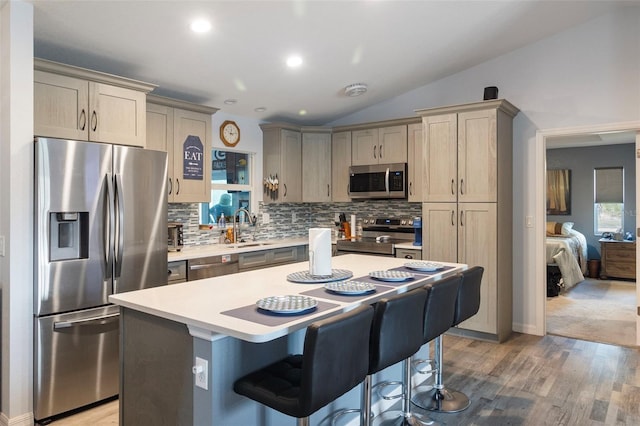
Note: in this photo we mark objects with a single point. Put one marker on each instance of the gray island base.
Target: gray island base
(164, 330)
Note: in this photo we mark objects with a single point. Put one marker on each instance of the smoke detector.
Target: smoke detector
(355, 89)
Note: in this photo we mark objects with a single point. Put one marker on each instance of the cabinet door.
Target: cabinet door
(340, 162)
(441, 151)
(364, 147)
(291, 166)
(477, 156)
(160, 137)
(316, 167)
(392, 144)
(61, 106)
(117, 115)
(185, 124)
(478, 246)
(440, 232)
(415, 161)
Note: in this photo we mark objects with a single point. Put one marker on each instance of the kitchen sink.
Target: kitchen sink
(240, 245)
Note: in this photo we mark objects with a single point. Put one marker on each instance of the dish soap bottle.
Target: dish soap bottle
(222, 223)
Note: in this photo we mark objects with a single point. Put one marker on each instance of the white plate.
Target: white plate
(350, 287)
(391, 275)
(306, 277)
(424, 266)
(287, 304)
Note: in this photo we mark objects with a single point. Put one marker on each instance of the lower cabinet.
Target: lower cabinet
(266, 258)
(618, 259)
(470, 233)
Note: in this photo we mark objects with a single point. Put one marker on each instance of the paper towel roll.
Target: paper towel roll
(353, 227)
(320, 251)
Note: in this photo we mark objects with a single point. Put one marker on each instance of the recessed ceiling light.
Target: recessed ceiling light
(355, 89)
(294, 61)
(230, 101)
(260, 109)
(200, 26)
(302, 112)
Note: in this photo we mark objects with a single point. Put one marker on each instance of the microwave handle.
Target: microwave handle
(386, 182)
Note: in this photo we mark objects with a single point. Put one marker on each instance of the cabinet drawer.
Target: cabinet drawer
(409, 254)
(615, 252)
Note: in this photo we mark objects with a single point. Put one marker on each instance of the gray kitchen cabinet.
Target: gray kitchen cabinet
(177, 272)
(415, 162)
(271, 257)
(172, 124)
(340, 162)
(282, 158)
(80, 104)
(379, 145)
(467, 216)
(316, 165)
(414, 254)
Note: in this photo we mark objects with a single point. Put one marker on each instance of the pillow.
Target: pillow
(554, 228)
(566, 228)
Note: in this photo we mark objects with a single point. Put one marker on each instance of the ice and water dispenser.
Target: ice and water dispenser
(68, 235)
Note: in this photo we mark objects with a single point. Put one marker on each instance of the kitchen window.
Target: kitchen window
(231, 178)
(608, 200)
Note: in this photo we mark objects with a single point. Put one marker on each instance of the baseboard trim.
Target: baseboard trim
(22, 420)
(526, 329)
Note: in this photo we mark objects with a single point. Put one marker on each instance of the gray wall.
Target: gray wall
(581, 162)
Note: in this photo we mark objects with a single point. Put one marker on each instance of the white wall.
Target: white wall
(586, 75)
(16, 209)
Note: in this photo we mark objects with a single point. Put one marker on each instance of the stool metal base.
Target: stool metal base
(398, 418)
(440, 400)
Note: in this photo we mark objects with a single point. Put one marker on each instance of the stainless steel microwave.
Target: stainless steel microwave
(378, 181)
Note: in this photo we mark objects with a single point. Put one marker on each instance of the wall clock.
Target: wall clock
(229, 133)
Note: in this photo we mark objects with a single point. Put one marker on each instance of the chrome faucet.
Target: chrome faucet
(236, 229)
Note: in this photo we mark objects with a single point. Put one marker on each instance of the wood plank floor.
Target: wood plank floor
(528, 380)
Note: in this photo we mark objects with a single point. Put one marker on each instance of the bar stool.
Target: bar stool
(435, 319)
(467, 305)
(334, 360)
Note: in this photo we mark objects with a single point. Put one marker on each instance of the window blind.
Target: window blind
(609, 185)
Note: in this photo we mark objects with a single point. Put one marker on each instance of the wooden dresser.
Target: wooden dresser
(618, 259)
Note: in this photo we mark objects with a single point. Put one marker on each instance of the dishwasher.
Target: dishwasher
(212, 266)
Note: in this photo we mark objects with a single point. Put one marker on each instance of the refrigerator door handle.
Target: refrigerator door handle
(119, 244)
(109, 232)
(103, 320)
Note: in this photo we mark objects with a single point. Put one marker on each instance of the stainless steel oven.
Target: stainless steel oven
(379, 236)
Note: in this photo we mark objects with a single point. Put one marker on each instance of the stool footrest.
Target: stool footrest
(395, 418)
(382, 385)
(441, 400)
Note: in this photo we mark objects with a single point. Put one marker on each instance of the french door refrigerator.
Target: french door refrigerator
(100, 228)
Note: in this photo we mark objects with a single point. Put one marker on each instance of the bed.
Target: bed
(567, 249)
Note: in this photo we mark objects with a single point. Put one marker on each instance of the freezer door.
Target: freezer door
(71, 262)
(76, 360)
(140, 188)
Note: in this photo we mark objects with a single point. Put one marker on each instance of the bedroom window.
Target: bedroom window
(608, 185)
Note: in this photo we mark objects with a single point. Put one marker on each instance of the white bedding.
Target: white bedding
(570, 254)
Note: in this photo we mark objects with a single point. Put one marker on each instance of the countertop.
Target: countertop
(194, 252)
(200, 304)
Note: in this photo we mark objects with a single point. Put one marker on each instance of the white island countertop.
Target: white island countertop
(202, 304)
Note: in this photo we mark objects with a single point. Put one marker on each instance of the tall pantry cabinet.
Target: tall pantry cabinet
(467, 210)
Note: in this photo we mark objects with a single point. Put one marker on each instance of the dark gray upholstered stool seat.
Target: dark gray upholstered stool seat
(467, 305)
(335, 359)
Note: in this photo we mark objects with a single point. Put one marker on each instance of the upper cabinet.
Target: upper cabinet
(415, 163)
(183, 131)
(340, 162)
(379, 145)
(282, 163)
(316, 165)
(75, 103)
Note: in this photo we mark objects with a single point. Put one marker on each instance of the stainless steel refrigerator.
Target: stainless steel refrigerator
(100, 228)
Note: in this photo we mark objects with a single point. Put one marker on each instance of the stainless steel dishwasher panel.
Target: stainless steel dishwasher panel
(212, 266)
(76, 362)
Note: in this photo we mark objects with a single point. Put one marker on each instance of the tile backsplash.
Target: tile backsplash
(281, 223)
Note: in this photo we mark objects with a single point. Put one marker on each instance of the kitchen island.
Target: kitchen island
(163, 331)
